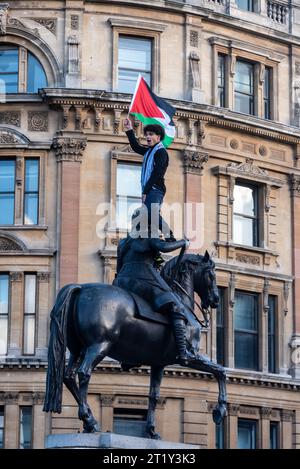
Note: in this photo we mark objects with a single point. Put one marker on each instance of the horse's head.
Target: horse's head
(205, 282)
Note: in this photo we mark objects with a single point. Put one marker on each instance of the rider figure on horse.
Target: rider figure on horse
(136, 273)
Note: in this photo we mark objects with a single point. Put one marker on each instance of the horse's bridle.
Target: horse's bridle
(206, 313)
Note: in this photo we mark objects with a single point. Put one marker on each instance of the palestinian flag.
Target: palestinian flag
(150, 109)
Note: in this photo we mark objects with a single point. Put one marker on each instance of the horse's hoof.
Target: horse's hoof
(219, 413)
(91, 427)
(153, 434)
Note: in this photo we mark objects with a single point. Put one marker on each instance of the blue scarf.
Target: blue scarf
(148, 163)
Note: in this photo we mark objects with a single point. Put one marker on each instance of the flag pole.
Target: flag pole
(135, 91)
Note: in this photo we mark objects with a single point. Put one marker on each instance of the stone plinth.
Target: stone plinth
(109, 441)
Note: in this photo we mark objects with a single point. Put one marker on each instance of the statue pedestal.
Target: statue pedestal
(109, 441)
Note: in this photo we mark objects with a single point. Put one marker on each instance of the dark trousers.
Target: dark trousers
(153, 203)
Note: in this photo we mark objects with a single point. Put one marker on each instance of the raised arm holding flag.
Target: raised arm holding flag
(159, 131)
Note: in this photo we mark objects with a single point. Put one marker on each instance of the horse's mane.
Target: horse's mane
(187, 265)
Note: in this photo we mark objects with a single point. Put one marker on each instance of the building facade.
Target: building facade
(232, 70)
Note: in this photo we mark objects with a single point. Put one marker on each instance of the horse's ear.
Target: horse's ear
(206, 256)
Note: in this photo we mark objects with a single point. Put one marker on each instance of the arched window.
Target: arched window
(20, 71)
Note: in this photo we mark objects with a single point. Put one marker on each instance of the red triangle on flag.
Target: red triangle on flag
(143, 102)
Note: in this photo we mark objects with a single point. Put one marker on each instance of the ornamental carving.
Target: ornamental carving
(107, 400)
(246, 259)
(133, 402)
(38, 121)
(248, 168)
(263, 150)
(48, 23)
(8, 138)
(69, 149)
(38, 398)
(43, 276)
(286, 415)
(234, 144)
(266, 412)
(295, 185)
(11, 397)
(16, 23)
(11, 118)
(16, 276)
(6, 245)
(194, 38)
(75, 22)
(193, 161)
(233, 409)
(3, 17)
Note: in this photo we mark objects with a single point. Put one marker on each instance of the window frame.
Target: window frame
(11, 192)
(252, 96)
(20, 155)
(26, 315)
(256, 332)
(256, 238)
(254, 429)
(31, 427)
(275, 424)
(2, 410)
(8, 315)
(23, 56)
(221, 328)
(118, 196)
(132, 414)
(25, 192)
(143, 29)
(274, 367)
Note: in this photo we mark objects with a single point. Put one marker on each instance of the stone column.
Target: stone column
(295, 341)
(107, 412)
(286, 429)
(229, 325)
(296, 430)
(15, 339)
(42, 314)
(193, 162)
(69, 147)
(39, 421)
(232, 436)
(266, 413)
(12, 421)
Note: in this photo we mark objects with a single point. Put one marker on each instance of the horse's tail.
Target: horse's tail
(57, 348)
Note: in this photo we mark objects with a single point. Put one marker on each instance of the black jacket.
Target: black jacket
(161, 161)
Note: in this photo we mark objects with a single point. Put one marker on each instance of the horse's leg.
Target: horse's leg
(202, 363)
(93, 355)
(155, 380)
(69, 377)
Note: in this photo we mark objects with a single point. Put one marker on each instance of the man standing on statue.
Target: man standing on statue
(154, 167)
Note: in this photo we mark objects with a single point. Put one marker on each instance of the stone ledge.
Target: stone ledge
(109, 441)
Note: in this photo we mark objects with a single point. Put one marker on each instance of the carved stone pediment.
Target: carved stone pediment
(10, 245)
(11, 137)
(248, 168)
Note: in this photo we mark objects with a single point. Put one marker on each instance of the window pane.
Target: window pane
(129, 180)
(245, 312)
(247, 5)
(244, 77)
(31, 209)
(130, 422)
(243, 230)
(246, 434)
(3, 334)
(272, 334)
(135, 53)
(7, 176)
(36, 77)
(25, 427)
(128, 78)
(243, 103)
(4, 285)
(245, 351)
(125, 208)
(7, 209)
(243, 200)
(29, 335)
(221, 80)
(220, 329)
(31, 175)
(30, 294)
(9, 68)
(274, 435)
(1, 427)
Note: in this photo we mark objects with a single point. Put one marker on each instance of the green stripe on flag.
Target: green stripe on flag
(151, 120)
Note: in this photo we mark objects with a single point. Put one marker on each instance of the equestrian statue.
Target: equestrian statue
(145, 318)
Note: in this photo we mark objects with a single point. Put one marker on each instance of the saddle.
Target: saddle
(144, 311)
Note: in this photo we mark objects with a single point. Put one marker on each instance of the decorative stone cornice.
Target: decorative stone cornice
(248, 170)
(69, 148)
(247, 259)
(10, 397)
(295, 185)
(3, 17)
(193, 161)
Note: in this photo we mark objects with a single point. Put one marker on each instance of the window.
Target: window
(24, 210)
(20, 70)
(267, 93)
(247, 5)
(221, 329)
(25, 427)
(221, 80)
(247, 430)
(130, 422)
(29, 314)
(245, 217)
(244, 87)
(135, 57)
(7, 192)
(274, 435)
(31, 193)
(128, 193)
(246, 331)
(1, 427)
(272, 334)
(4, 308)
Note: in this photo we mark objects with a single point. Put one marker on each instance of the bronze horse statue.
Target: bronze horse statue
(98, 320)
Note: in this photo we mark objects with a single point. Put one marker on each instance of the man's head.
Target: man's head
(154, 133)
